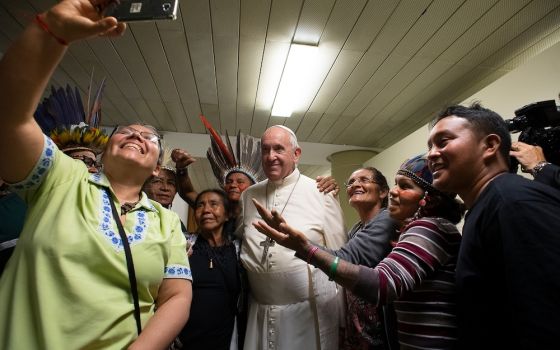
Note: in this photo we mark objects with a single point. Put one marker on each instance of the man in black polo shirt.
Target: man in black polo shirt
(507, 270)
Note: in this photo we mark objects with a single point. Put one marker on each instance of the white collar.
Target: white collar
(288, 180)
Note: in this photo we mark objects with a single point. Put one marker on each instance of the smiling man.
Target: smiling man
(163, 187)
(507, 270)
(283, 313)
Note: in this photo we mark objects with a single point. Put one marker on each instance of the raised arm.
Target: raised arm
(185, 188)
(25, 70)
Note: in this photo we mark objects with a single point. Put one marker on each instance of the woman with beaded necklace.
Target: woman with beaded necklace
(216, 275)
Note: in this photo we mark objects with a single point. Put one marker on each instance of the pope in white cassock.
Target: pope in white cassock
(293, 305)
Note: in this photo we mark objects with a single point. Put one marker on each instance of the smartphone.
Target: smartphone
(142, 10)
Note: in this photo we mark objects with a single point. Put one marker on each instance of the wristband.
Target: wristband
(311, 252)
(182, 171)
(334, 265)
(537, 168)
(45, 27)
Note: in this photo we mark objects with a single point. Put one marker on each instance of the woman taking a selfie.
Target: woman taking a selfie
(84, 274)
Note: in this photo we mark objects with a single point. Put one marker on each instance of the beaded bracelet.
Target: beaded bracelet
(311, 252)
(334, 265)
(45, 27)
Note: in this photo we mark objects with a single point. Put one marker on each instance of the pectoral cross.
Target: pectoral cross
(267, 243)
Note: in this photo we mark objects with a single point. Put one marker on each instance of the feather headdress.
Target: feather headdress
(246, 158)
(62, 116)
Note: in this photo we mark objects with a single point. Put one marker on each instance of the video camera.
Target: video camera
(539, 124)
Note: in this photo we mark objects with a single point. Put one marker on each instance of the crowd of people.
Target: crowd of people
(92, 257)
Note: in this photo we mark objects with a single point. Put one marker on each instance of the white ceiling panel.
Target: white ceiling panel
(384, 67)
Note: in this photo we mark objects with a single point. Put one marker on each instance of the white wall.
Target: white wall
(181, 208)
(536, 80)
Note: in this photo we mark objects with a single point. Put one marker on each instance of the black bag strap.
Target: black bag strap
(129, 266)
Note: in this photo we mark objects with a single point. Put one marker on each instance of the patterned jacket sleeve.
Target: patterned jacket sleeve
(422, 248)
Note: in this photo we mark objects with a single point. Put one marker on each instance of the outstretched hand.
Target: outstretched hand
(327, 184)
(274, 226)
(73, 20)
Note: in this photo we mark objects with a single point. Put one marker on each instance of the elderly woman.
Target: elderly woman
(216, 273)
(73, 282)
(369, 241)
(419, 273)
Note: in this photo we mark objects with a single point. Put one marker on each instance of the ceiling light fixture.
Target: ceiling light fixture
(294, 85)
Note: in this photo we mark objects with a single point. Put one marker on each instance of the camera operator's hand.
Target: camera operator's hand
(527, 155)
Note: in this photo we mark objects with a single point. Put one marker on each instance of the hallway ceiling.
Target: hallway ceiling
(383, 68)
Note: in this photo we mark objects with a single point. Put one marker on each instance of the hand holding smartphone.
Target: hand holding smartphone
(142, 10)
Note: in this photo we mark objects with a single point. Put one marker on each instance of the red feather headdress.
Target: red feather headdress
(224, 160)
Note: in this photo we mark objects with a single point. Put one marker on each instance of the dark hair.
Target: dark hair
(381, 181)
(483, 121)
(439, 204)
(219, 192)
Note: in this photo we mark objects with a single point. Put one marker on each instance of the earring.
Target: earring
(422, 201)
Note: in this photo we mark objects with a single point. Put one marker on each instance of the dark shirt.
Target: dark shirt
(507, 271)
(216, 289)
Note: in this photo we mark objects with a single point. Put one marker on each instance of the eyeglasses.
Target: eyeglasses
(89, 162)
(359, 180)
(146, 135)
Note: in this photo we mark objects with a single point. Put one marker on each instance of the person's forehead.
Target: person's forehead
(81, 153)
(139, 127)
(451, 122)
(237, 176)
(167, 174)
(210, 196)
(276, 135)
(361, 172)
(403, 178)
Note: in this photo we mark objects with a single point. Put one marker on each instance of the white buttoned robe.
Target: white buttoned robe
(292, 304)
